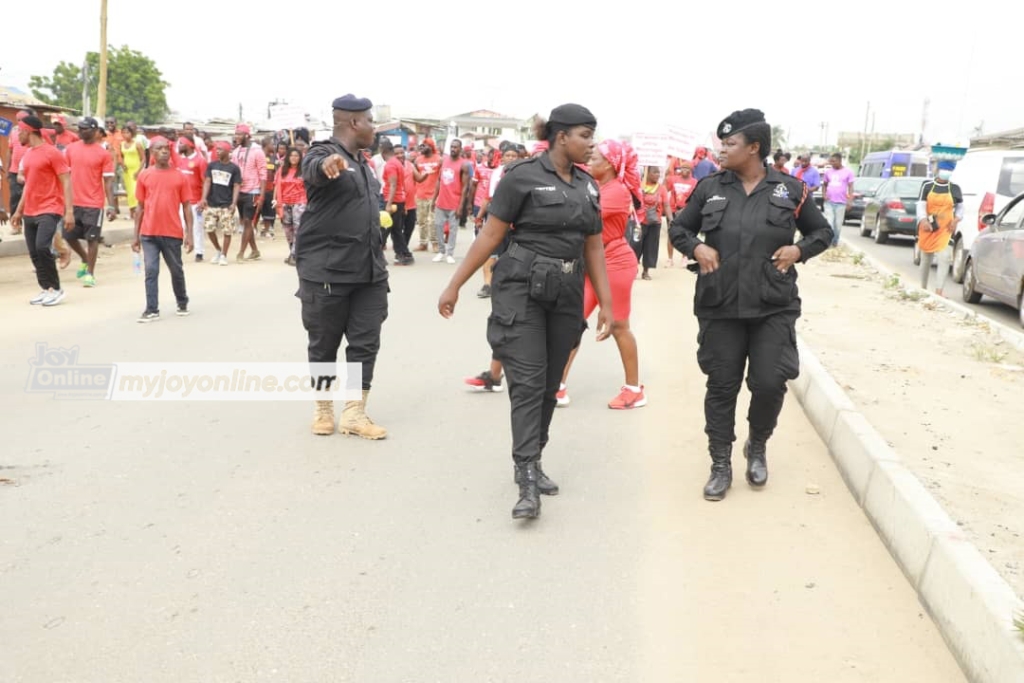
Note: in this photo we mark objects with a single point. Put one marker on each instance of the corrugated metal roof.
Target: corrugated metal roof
(15, 97)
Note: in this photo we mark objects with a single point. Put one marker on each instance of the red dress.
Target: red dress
(619, 257)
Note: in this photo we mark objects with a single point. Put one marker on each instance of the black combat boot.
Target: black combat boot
(528, 506)
(721, 472)
(756, 452)
(544, 483)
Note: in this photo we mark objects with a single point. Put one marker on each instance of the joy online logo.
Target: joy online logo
(56, 371)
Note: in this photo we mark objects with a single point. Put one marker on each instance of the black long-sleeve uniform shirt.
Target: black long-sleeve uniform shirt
(339, 241)
(746, 230)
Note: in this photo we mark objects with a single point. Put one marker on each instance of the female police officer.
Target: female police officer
(537, 285)
(746, 299)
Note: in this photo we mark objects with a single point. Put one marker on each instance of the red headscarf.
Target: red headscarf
(429, 142)
(624, 160)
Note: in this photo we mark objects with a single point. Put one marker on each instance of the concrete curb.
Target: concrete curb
(971, 604)
(1011, 336)
(14, 245)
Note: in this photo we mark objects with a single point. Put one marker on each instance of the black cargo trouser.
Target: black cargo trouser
(533, 339)
(353, 311)
(766, 348)
(15, 189)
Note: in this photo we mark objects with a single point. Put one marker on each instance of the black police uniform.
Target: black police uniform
(343, 278)
(537, 289)
(747, 309)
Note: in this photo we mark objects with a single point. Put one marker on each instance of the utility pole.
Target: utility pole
(86, 105)
(101, 96)
(864, 137)
(924, 120)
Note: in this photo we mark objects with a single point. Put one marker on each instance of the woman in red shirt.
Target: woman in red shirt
(656, 203)
(290, 198)
(614, 167)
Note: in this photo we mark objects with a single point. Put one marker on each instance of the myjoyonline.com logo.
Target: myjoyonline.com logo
(60, 373)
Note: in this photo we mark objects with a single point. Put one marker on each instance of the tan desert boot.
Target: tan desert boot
(323, 418)
(354, 420)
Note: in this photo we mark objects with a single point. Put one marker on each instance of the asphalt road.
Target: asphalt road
(223, 542)
(898, 254)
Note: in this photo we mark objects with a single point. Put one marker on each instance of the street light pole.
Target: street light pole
(101, 96)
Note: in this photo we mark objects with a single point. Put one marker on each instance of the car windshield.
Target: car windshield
(867, 185)
(908, 188)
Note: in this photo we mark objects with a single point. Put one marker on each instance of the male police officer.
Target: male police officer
(746, 299)
(339, 255)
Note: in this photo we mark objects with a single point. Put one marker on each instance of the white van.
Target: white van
(989, 178)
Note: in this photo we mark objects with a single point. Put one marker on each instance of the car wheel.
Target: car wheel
(971, 295)
(917, 253)
(864, 231)
(881, 237)
(959, 261)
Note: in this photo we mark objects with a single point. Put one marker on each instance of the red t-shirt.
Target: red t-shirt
(616, 205)
(161, 192)
(43, 193)
(410, 187)
(450, 196)
(653, 200)
(65, 139)
(194, 172)
(89, 164)
(290, 188)
(393, 169)
(431, 166)
(680, 188)
(483, 185)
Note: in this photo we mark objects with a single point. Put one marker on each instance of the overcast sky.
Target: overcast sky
(634, 65)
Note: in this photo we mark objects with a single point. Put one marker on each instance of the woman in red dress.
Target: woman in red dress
(614, 167)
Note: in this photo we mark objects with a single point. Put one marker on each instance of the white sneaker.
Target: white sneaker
(438, 257)
(450, 259)
(223, 260)
(53, 297)
(216, 259)
(39, 298)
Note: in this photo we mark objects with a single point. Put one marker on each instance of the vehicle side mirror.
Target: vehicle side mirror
(988, 219)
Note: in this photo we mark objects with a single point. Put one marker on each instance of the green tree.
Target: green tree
(778, 137)
(135, 86)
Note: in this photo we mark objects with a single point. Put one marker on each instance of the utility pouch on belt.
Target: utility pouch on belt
(545, 281)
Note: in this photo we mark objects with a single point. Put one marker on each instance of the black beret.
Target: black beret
(572, 115)
(738, 120)
(352, 103)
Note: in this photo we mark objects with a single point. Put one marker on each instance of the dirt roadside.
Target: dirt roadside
(943, 390)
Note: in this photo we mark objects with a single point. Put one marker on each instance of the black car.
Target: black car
(893, 209)
(863, 189)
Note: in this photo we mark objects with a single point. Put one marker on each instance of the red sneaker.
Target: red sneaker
(562, 398)
(627, 400)
(484, 382)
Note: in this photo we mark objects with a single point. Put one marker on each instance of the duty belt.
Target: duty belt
(520, 253)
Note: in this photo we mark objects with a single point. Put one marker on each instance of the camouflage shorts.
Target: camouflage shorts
(222, 220)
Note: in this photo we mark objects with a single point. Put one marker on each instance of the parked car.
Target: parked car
(894, 164)
(995, 263)
(863, 188)
(989, 178)
(893, 209)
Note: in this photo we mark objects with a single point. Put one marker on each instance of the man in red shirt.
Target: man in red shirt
(393, 181)
(163, 199)
(679, 184)
(193, 167)
(13, 163)
(45, 198)
(451, 200)
(428, 167)
(92, 184)
(62, 137)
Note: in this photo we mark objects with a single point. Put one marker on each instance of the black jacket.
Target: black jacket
(746, 230)
(339, 240)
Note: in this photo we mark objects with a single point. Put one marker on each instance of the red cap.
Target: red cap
(59, 118)
(243, 129)
(223, 144)
(20, 115)
(159, 140)
(185, 141)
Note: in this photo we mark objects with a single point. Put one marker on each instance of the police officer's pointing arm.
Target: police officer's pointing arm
(322, 165)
